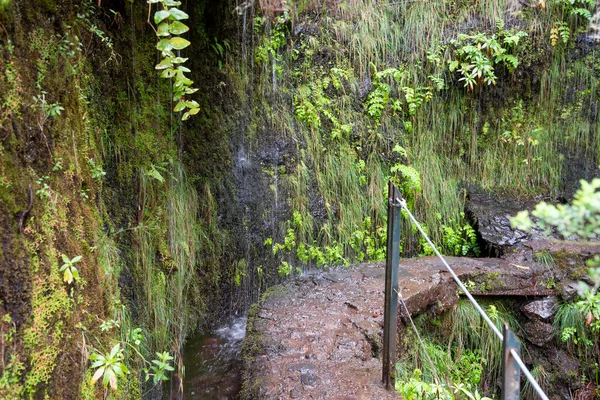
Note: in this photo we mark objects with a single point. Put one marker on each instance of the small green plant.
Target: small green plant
(108, 325)
(96, 170)
(49, 110)
(110, 366)
(268, 51)
(285, 269)
(161, 367)
(135, 336)
(571, 14)
(545, 258)
(57, 164)
(475, 56)
(70, 271)
(44, 191)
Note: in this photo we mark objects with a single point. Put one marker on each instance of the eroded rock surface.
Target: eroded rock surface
(542, 310)
(319, 336)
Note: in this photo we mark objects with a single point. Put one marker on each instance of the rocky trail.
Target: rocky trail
(319, 336)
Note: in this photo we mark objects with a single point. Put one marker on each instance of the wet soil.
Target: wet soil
(319, 336)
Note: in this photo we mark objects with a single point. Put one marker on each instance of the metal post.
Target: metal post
(511, 370)
(391, 288)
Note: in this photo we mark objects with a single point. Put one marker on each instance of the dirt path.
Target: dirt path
(318, 336)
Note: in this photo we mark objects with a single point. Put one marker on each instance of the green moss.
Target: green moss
(573, 265)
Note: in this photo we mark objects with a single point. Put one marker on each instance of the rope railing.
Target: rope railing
(511, 346)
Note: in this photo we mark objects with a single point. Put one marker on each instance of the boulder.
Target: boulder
(541, 310)
(539, 333)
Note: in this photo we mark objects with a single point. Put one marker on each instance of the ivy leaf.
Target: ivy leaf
(179, 43)
(177, 28)
(165, 63)
(168, 73)
(163, 29)
(164, 45)
(161, 15)
(177, 14)
(180, 106)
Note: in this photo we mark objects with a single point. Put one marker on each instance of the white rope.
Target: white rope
(435, 375)
(456, 279)
(487, 319)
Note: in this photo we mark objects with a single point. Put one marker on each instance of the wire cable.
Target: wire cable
(487, 319)
(435, 375)
(454, 276)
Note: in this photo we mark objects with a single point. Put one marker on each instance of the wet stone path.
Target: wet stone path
(319, 336)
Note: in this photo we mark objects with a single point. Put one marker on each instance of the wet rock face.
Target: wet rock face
(538, 332)
(491, 215)
(541, 310)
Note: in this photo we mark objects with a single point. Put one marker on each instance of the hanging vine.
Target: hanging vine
(169, 27)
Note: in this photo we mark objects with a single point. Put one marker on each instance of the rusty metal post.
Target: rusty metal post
(511, 370)
(391, 288)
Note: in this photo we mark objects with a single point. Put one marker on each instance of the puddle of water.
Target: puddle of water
(213, 363)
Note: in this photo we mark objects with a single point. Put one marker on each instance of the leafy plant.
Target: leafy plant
(96, 170)
(581, 219)
(169, 28)
(162, 366)
(476, 55)
(70, 271)
(460, 240)
(571, 14)
(44, 191)
(110, 366)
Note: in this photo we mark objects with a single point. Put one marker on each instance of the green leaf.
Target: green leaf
(163, 29)
(97, 375)
(191, 90)
(193, 111)
(164, 45)
(168, 73)
(183, 69)
(177, 14)
(65, 258)
(68, 276)
(177, 28)
(180, 106)
(75, 259)
(185, 116)
(171, 3)
(155, 174)
(179, 60)
(179, 43)
(161, 15)
(115, 350)
(165, 63)
(75, 273)
(192, 104)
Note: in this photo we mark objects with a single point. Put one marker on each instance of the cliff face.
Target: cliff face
(116, 216)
